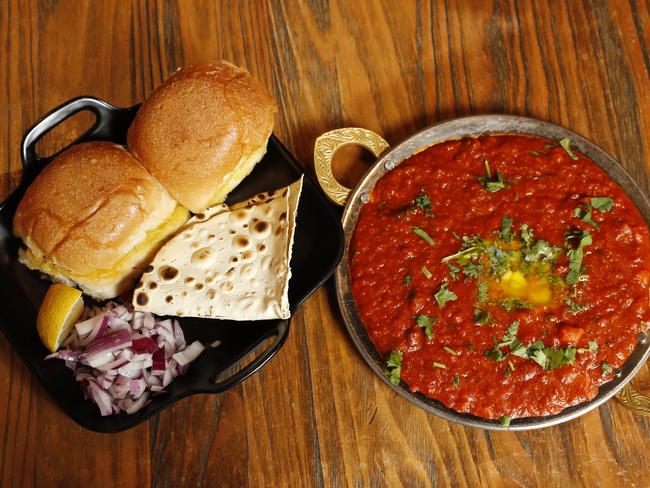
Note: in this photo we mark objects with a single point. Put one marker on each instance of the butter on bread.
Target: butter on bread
(94, 217)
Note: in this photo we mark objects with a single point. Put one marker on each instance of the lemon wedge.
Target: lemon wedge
(60, 310)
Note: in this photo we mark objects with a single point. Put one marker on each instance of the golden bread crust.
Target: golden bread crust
(89, 207)
(198, 126)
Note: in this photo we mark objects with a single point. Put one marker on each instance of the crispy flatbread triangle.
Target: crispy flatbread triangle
(227, 263)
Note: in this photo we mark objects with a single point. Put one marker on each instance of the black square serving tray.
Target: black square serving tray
(318, 247)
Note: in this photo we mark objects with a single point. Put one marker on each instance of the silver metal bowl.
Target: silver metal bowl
(324, 149)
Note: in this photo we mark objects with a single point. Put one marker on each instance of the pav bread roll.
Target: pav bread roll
(94, 217)
(202, 131)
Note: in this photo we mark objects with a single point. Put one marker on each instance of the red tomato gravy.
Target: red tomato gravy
(544, 184)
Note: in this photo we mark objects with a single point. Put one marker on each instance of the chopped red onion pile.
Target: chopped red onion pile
(122, 357)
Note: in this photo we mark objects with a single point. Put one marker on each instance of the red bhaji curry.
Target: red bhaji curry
(505, 276)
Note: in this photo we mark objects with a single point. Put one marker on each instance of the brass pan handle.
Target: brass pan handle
(325, 147)
(634, 400)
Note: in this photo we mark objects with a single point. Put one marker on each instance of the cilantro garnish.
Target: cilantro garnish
(439, 365)
(584, 213)
(482, 294)
(541, 251)
(407, 280)
(511, 304)
(450, 351)
(566, 145)
(583, 239)
(585, 210)
(606, 368)
(602, 204)
(394, 367)
(574, 307)
(444, 295)
(423, 234)
(548, 358)
(471, 270)
(495, 354)
(456, 381)
(511, 334)
(491, 184)
(526, 235)
(422, 201)
(504, 420)
(426, 324)
(481, 316)
(593, 348)
(453, 271)
(506, 229)
(425, 271)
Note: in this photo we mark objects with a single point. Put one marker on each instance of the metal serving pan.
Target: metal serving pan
(324, 149)
(318, 244)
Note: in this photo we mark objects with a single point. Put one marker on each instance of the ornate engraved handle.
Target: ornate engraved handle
(325, 147)
(634, 400)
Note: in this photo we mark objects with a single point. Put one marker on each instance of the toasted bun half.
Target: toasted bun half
(202, 131)
(94, 217)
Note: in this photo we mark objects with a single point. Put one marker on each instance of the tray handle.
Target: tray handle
(280, 331)
(105, 113)
(325, 147)
(634, 400)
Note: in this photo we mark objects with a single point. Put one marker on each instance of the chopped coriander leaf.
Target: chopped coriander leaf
(430, 215)
(453, 271)
(584, 213)
(423, 234)
(506, 229)
(606, 368)
(518, 348)
(482, 292)
(511, 366)
(496, 354)
(566, 145)
(427, 274)
(426, 324)
(444, 295)
(450, 351)
(456, 381)
(535, 153)
(602, 204)
(481, 316)
(439, 365)
(542, 252)
(593, 348)
(407, 280)
(422, 201)
(510, 335)
(550, 358)
(526, 235)
(511, 304)
(538, 356)
(492, 185)
(394, 367)
(504, 420)
(499, 259)
(471, 270)
(575, 307)
(576, 254)
(467, 252)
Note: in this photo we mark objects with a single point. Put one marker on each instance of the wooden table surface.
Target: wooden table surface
(317, 415)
